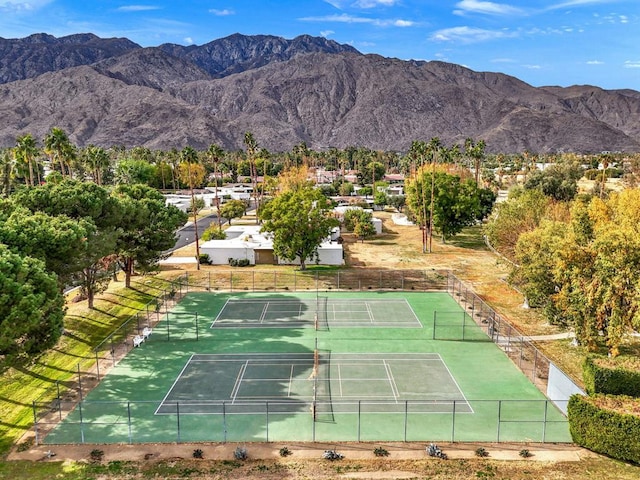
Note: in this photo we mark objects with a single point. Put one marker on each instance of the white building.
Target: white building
(248, 242)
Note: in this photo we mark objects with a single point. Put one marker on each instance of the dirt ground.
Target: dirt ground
(400, 247)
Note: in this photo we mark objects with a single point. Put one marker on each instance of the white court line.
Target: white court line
(173, 385)
(392, 381)
(220, 312)
(236, 387)
(264, 312)
(371, 319)
(290, 382)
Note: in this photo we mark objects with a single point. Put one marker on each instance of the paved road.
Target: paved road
(187, 234)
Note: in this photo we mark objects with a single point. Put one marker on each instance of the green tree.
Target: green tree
(233, 209)
(148, 227)
(56, 240)
(192, 174)
(97, 161)
(31, 306)
(58, 145)
(25, 152)
(522, 212)
(300, 221)
(559, 181)
(213, 232)
(131, 172)
(74, 199)
(475, 150)
(443, 202)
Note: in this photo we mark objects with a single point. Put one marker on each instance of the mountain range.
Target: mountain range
(309, 89)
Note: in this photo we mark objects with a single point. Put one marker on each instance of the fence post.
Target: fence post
(209, 280)
(406, 418)
(402, 280)
(80, 382)
(433, 334)
(499, 419)
(97, 366)
(253, 280)
(359, 415)
(129, 422)
(267, 439)
(224, 421)
(453, 422)
(544, 425)
(178, 419)
(35, 421)
(81, 422)
(231, 281)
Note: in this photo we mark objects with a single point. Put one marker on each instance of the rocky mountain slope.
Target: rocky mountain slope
(287, 91)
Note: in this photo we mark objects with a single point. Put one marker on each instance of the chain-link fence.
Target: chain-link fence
(409, 420)
(67, 399)
(533, 363)
(252, 280)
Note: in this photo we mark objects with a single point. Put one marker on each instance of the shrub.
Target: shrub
(434, 451)
(599, 378)
(96, 455)
(524, 453)
(198, 453)
(481, 452)
(605, 431)
(285, 452)
(240, 453)
(204, 259)
(332, 455)
(380, 452)
(239, 262)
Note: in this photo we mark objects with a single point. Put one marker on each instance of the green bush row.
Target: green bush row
(604, 431)
(611, 381)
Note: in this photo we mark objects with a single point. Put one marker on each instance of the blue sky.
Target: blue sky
(543, 42)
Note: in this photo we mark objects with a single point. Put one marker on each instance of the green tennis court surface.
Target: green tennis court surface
(334, 366)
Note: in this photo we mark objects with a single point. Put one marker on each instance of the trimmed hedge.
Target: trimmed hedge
(604, 431)
(611, 381)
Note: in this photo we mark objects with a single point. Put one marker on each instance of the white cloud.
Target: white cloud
(222, 13)
(345, 18)
(327, 33)
(532, 67)
(632, 64)
(374, 3)
(137, 8)
(342, 4)
(503, 60)
(18, 6)
(577, 3)
(469, 35)
(188, 40)
(594, 62)
(487, 8)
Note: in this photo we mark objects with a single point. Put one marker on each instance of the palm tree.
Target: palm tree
(96, 160)
(252, 149)
(57, 144)
(6, 168)
(25, 152)
(475, 150)
(215, 153)
(192, 174)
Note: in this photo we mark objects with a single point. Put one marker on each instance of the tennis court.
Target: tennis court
(319, 312)
(335, 366)
(288, 380)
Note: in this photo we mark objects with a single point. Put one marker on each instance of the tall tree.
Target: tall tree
(25, 152)
(192, 174)
(148, 227)
(58, 145)
(32, 306)
(215, 154)
(475, 150)
(300, 221)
